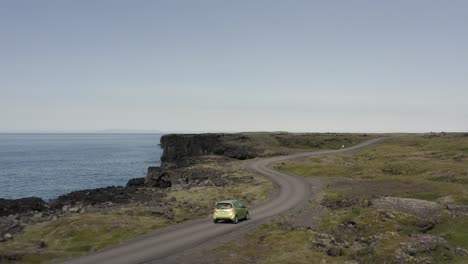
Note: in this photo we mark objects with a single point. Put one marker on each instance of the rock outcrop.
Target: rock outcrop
(14, 206)
(182, 154)
(179, 146)
(136, 182)
(158, 178)
(180, 166)
(114, 194)
(416, 207)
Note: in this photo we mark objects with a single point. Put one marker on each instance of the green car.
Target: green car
(232, 210)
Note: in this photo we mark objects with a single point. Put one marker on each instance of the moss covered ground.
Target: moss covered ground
(432, 167)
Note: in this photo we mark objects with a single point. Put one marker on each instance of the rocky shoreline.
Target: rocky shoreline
(190, 164)
(179, 169)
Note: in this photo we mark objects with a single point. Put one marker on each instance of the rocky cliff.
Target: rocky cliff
(182, 162)
(179, 146)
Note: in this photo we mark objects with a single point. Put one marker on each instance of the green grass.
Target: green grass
(278, 243)
(331, 196)
(84, 233)
(439, 162)
(431, 167)
(274, 143)
(369, 222)
(455, 230)
(255, 192)
(77, 235)
(88, 232)
(274, 243)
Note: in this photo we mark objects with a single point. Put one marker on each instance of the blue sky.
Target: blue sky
(370, 66)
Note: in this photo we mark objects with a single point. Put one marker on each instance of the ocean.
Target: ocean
(49, 165)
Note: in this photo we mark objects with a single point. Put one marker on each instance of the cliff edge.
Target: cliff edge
(179, 146)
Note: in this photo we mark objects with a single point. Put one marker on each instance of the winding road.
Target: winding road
(167, 242)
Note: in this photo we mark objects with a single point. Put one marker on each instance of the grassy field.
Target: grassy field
(373, 238)
(275, 243)
(426, 167)
(203, 199)
(74, 235)
(88, 232)
(84, 233)
(431, 167)
(274, 143)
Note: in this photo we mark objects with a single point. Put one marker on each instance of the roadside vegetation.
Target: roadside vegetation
(200, 201)
(285, 143)
(74, 235)
(402, 201)
(274, 243)
(352, 235)
(83, 233)
(428, 167)
(88, 230)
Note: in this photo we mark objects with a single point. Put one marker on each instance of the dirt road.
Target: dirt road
(164, 245)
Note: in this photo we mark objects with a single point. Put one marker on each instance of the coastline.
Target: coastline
(50, 165)
(209, 166)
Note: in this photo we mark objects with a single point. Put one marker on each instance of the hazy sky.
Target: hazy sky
(375, 66)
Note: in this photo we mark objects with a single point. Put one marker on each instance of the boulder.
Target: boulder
(10, 257)
(163, 212)
(9, 226)
(136, 182)
(337, 204)
(416, 207)
(74, 209)
(423, 244)
(458, 209)
(41, 244)
(23, 205)
(460, 251)
(324, 241)
(334, 252)
(157, 177)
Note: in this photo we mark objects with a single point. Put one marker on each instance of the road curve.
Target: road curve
(160, 244)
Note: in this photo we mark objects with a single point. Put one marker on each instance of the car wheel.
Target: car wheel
(215, 221)
(236, 220)
(247, 216)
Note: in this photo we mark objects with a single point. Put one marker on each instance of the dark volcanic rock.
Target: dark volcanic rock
(179, 146)
(425, 225)
(136, 182)
(95, 196)
(157, 177)
(10, 257)
(392, 171)
(334, 252)
(164, 212)
(420, 208)
(9, 226)
(8, 207)
(458, 209)
(340, 203)
(423, 244)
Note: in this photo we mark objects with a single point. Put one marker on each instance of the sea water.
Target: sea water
(48, 165)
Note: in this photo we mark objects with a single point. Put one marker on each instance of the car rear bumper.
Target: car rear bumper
(219, 216)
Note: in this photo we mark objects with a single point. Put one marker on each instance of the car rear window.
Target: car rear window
(224, 206)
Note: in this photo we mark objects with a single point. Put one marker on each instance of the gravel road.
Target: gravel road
(174, 243)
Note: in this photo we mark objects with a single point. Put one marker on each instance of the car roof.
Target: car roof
(228, 201)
